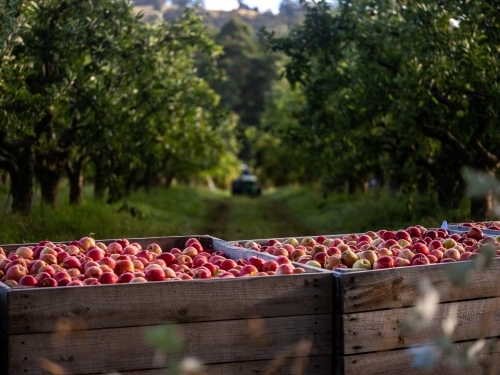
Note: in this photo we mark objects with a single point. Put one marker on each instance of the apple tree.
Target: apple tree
(403, 88)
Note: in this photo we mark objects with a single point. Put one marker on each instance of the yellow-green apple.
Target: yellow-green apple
(448, 243)
(348, 258)
(362, 264)
(292, 241)
(369, 255)
(86, 242)
(328, 242)
(313, 263)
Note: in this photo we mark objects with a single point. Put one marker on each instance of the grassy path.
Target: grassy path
(241, 217)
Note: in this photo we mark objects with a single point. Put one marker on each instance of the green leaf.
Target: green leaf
(166, 338)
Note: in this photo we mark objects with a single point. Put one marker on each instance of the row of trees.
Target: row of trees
(405, 92)
(87, 89)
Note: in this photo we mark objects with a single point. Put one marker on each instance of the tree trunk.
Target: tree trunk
(99, 181)
(49, 168)
(74, 170)
(481, 208)
(22, 181)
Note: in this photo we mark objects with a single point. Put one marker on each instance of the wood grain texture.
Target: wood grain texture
(399, 287)
(4, 354)
(125, 349)
(123, 305)
(383, 329)
(400, 362)
(315, 365)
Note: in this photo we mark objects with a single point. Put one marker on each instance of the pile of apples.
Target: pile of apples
(413, 246)
(491, 225)
(86, 262)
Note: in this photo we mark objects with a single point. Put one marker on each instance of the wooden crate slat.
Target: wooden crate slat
(4, 307)
(381, 330)
(3, 354)
(399, 287)
(39, 310)
(400, 362)
(315, 365)
(125, 349)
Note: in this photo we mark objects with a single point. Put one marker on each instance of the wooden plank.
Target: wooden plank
(382, 330)
(400, 362)
(4, 354)
(125, 349)
(315, 365)
(4, 307)
(399, 287)
(123, 305)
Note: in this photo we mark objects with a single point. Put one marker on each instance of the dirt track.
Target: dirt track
(241, 217)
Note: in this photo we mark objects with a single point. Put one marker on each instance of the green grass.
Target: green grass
(178, 210)
(340, 213)
(183, 210)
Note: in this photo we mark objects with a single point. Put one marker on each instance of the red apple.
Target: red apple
(419, 259)
(123, 265)
(257, 262)
(284, 269)
(16, 272)
(249, 270)
(168, 258)
(28, 280)
(332, 261)
(384, 262)
(270, 265)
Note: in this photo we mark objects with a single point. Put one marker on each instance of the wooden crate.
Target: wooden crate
(234, 326)
(370, 308)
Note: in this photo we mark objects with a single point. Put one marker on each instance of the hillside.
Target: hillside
(279, 23)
